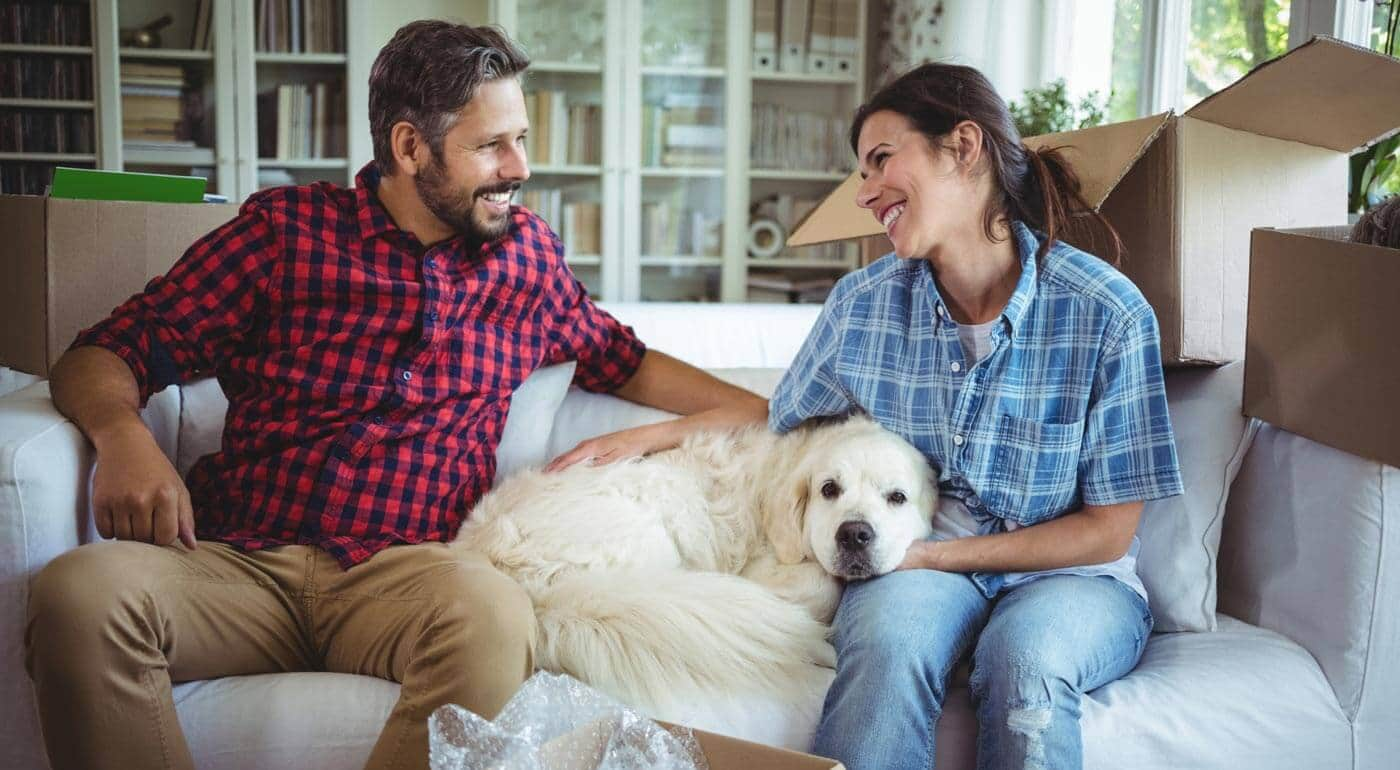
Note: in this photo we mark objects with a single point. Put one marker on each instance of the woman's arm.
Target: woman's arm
(1095, 534)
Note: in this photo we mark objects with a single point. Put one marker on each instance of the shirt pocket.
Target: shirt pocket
(1035, 469)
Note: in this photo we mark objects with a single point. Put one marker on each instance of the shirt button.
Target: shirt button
(430, 263)
(958, 440)
(407, 376)
(433, 316)
(957, 367)
(377, 419)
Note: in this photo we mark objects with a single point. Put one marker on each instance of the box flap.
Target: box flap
(1326, 93)
(23, 300)
(1101, 156)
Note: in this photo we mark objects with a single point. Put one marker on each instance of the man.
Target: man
(368, 340)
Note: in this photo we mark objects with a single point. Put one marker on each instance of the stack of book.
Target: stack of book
(684, 129)
(792, 139)
(561, 132)
(46, 131)
(670, 228)
(300, 26)
(46, 23)
(45, 77)
(578, 223)
(778, 287)
(152, 107)
(301, 121)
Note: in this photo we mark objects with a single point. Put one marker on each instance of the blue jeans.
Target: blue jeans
(1036, 649)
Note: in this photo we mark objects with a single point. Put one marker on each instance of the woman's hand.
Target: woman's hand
(611, 447)
(922, 554)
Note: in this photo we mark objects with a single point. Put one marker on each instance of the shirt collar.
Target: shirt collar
(373, 218)
(1027, 242)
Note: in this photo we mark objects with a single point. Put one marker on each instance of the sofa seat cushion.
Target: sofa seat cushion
(1238, 697)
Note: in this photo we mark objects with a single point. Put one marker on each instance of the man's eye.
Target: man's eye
(897, 498)
(831, 490)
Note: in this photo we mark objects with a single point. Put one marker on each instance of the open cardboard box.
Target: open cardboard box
(68, 263)
(1324, 339)
(725, 753)
(1184, 191)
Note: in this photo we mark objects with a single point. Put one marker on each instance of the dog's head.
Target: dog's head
(854, 498)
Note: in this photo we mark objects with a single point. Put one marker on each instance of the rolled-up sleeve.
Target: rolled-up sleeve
(810, 387)
(192, 317)
(1129, 452)
(608, 352)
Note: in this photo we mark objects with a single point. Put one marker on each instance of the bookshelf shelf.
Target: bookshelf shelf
(661, 70)
(799, 264)
(62, 50)
(272, 57)
(565, 170)
(51, 157)
(173, 156)
(804, 77)
(48, 104)
(681, 261)
(682, 172)
(166, 54)
(797, 176)
(566, 68)
(303, 163)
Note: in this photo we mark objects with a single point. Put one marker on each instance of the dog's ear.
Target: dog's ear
(784, 508)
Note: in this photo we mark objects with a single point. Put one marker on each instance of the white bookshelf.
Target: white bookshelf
(623, 67)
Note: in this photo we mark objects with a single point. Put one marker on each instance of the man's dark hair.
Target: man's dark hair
(427, 73)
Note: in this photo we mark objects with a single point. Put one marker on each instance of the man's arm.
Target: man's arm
(1095, 534)
(663, 382)
(136, 493)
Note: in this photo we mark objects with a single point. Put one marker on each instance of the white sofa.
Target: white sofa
(1299, 668)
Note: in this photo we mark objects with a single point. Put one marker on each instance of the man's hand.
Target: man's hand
(620, 445)
(921, 555)
(138, 495)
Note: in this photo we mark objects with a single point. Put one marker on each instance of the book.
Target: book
(91, 184)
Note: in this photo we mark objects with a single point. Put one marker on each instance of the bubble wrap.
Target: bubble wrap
(556, 722)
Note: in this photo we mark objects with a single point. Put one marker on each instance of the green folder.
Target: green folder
(91, 184)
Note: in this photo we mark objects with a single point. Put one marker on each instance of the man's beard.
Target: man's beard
(455, 207)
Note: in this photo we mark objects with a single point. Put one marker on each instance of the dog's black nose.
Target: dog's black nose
(854, 535)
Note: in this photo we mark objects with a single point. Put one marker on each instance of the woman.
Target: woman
(1029, 374)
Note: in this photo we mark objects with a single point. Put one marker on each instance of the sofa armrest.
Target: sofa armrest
(45, 463)
(1310, 548)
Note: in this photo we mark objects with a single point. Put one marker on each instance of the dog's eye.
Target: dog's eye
(831, 490)
(897, 498)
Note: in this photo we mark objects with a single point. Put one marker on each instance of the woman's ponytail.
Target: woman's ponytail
(1051, 200)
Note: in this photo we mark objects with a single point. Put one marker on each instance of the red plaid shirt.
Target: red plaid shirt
(368, 377)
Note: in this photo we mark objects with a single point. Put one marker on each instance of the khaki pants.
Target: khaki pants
(111, 625)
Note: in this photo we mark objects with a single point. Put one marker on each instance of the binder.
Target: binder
(844, 45)
(765, 35)
(794, 25)
(819, 43)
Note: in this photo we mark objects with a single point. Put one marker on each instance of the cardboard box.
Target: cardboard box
(1324, 339)
(68, 263)
(725, 753)
(1185, 191)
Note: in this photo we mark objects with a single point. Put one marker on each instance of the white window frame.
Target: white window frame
(1167, 28)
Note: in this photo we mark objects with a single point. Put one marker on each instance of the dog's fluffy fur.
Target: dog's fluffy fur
(712, 567)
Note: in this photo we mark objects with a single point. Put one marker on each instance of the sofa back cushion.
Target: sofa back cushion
(1180, 535)
(523, 440)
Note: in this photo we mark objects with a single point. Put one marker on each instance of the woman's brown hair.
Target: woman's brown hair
(1035, 186)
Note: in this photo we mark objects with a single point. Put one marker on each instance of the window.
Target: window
(1127, 70)
(1228, 38)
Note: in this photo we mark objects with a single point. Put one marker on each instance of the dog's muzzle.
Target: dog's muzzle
(853, 541)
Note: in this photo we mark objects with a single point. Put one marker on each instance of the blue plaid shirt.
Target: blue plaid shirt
(1068, 409)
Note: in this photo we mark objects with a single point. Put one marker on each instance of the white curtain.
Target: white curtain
(1017, 44)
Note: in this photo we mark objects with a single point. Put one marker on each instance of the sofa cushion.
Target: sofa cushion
(1234, 698)
(709, 335)
(1180, 535)
(523, 441)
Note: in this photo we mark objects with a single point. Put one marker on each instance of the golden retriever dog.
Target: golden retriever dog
(714, 567)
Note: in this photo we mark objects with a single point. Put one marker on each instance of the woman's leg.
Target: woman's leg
(897, 638)
(1047, 643)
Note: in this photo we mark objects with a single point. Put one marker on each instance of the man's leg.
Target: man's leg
(111, 625)
(448, 626)
(1047, 643)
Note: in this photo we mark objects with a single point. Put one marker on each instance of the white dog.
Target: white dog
(710, 567)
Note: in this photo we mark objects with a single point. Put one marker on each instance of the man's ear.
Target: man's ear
(408, 147)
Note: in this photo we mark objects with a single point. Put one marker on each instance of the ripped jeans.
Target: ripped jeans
(1036, 649)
